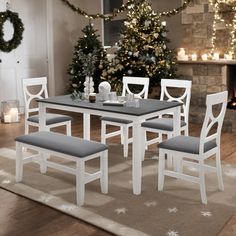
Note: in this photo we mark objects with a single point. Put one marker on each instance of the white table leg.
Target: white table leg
(136, 158)
(86, 126)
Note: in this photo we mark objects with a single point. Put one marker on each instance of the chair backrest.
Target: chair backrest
(184, 98)
(128, 80)
(207, 133)
(30, 95)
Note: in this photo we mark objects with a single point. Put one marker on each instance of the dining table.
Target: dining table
(146, 109)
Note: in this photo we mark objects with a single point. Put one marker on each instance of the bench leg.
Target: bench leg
(68, 128)
(80, 185)
(104, 172)
(43, 166)
(19, 162)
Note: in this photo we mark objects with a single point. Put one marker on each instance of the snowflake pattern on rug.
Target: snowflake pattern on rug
(172, 210)
(230, 173)
(3, 173)
(150, 203)
(119, 211)
(7, 181)
(45, 198)
(67, 207)
(206, 213)
(172, 233)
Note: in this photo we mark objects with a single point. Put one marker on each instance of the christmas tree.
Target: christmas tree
(142, 48)
(89, 60)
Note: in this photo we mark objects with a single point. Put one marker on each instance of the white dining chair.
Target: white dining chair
(194, 151)
(122, 123)
(36, 88)
(164, 125)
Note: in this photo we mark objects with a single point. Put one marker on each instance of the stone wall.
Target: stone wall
(207, 77)
(197, 24)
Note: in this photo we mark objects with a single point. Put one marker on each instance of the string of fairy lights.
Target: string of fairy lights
(219, 19)
(124, 7)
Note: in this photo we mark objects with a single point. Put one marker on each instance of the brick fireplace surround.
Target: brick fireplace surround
(208, 77)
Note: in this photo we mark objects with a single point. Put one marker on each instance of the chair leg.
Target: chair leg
(26, 128)
(170, 161)
(68, 128)
(19, 162)
(219, 171)
(161, 167)
(145, 139)
(202, 182)
(125, 135)
(80, 184)
(186, 133)
(122, 135)
(104, 172)
(103, 132)
(144, 147)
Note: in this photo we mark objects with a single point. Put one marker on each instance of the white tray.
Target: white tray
(113, 103)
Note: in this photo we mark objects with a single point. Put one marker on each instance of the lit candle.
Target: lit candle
(7, 118)
(14, 115)
(163, 23)
(204, 57)
(216, 56)
(181, 55)
(228, 56)
(194, 57)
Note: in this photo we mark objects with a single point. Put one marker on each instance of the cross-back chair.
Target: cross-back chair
(36, 88)
(196, 150)
(164, 125)
(122, 123)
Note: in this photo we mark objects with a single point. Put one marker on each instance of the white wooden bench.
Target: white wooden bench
(67, 147)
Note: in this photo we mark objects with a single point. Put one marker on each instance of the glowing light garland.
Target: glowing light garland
(128, 5)
(230, 26)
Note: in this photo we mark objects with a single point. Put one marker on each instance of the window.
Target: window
(112, 29)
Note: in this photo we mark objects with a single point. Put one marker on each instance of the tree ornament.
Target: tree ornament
(7, 46)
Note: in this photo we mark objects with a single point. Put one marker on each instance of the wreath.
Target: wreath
(7, 46)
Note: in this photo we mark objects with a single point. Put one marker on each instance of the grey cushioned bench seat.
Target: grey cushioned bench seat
(186, 144)
(161, 124)
(69, 145)
(51, 118)
(118, 120)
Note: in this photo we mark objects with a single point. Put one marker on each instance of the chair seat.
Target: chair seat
(51, 118)
(69, 145)
(117, 120)
(186, 144)
(161, 124)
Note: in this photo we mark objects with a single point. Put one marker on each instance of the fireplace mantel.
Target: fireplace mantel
(209, 62)
(208, 77)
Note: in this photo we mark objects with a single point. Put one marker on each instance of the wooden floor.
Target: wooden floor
(20, 216)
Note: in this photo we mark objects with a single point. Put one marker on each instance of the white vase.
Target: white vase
(88, 86)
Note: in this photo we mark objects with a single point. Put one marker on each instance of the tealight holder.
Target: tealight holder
(10, 111)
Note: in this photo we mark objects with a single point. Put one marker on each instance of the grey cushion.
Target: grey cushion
(186, 144)
(73, 146)
(117, 120)
(161, 124)
(51, 118)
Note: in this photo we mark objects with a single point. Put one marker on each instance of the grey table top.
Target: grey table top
(146, 106)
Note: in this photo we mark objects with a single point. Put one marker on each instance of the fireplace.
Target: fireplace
(231, 84)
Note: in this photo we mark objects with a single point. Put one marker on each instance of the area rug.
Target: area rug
(175, 212)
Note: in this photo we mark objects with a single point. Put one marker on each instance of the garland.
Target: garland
(128, 5)
(7, 46)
